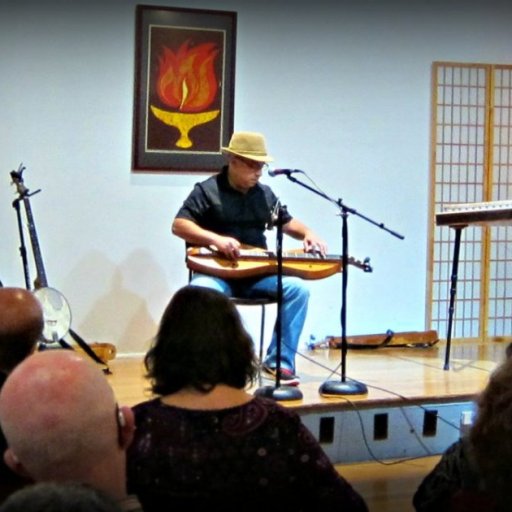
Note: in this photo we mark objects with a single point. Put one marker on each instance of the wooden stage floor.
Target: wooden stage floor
(391, 375)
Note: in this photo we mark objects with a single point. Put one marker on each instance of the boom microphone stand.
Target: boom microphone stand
(279, 392)
(344, 386)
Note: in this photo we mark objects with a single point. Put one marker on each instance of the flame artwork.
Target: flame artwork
(187, 85)
(184, 88)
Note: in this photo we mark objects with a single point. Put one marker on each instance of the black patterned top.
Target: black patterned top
(454, 484)
(256, 456)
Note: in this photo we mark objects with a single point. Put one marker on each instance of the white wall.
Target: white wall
(341, 89)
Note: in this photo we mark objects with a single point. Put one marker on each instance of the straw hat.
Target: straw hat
(249, 145)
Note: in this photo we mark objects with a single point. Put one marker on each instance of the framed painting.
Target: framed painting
(184, 88)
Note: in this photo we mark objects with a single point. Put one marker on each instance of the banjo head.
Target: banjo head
(56, 313)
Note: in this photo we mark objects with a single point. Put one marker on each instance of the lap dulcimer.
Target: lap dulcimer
(254, 262)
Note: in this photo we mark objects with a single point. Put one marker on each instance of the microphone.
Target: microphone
(277, 172)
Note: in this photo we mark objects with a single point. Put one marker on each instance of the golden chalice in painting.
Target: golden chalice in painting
(184, 122)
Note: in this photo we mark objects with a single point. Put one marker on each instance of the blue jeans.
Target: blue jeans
(294, 308)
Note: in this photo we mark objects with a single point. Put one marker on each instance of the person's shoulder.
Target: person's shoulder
(263, 187)
(459, 444)
(275, 408)
(258, 413)
(457, 452)
(131, 503)
(146, 406)
(460, 448)
(213, 182)
(206, 181)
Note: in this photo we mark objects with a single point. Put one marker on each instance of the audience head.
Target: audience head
(201, 342)
(21, 325)
(61, 422)
(491, 434)
(59, 497)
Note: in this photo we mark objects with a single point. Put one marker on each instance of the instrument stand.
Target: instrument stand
(44, 343)
(89, 351)
(23, 247)
(343, 386)
(279, 392)
(453, 292)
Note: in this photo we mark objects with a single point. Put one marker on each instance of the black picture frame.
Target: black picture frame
(183, 89)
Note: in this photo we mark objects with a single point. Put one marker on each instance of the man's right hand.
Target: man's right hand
(228, 246)
(196, 235)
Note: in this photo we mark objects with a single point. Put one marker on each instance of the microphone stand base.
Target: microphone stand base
(334, 388)
(280, 393)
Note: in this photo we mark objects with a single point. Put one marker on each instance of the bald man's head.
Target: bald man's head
(21, 325)
(59, 415)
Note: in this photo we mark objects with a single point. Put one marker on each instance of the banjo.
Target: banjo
(56, 310)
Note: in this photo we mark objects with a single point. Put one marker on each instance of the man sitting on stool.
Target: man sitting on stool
(232, 209)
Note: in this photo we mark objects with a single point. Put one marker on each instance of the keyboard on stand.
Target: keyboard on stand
(485, 213)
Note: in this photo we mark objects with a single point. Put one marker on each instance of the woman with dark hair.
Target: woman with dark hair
(201, 343)
(474, 473)
(204, 440)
